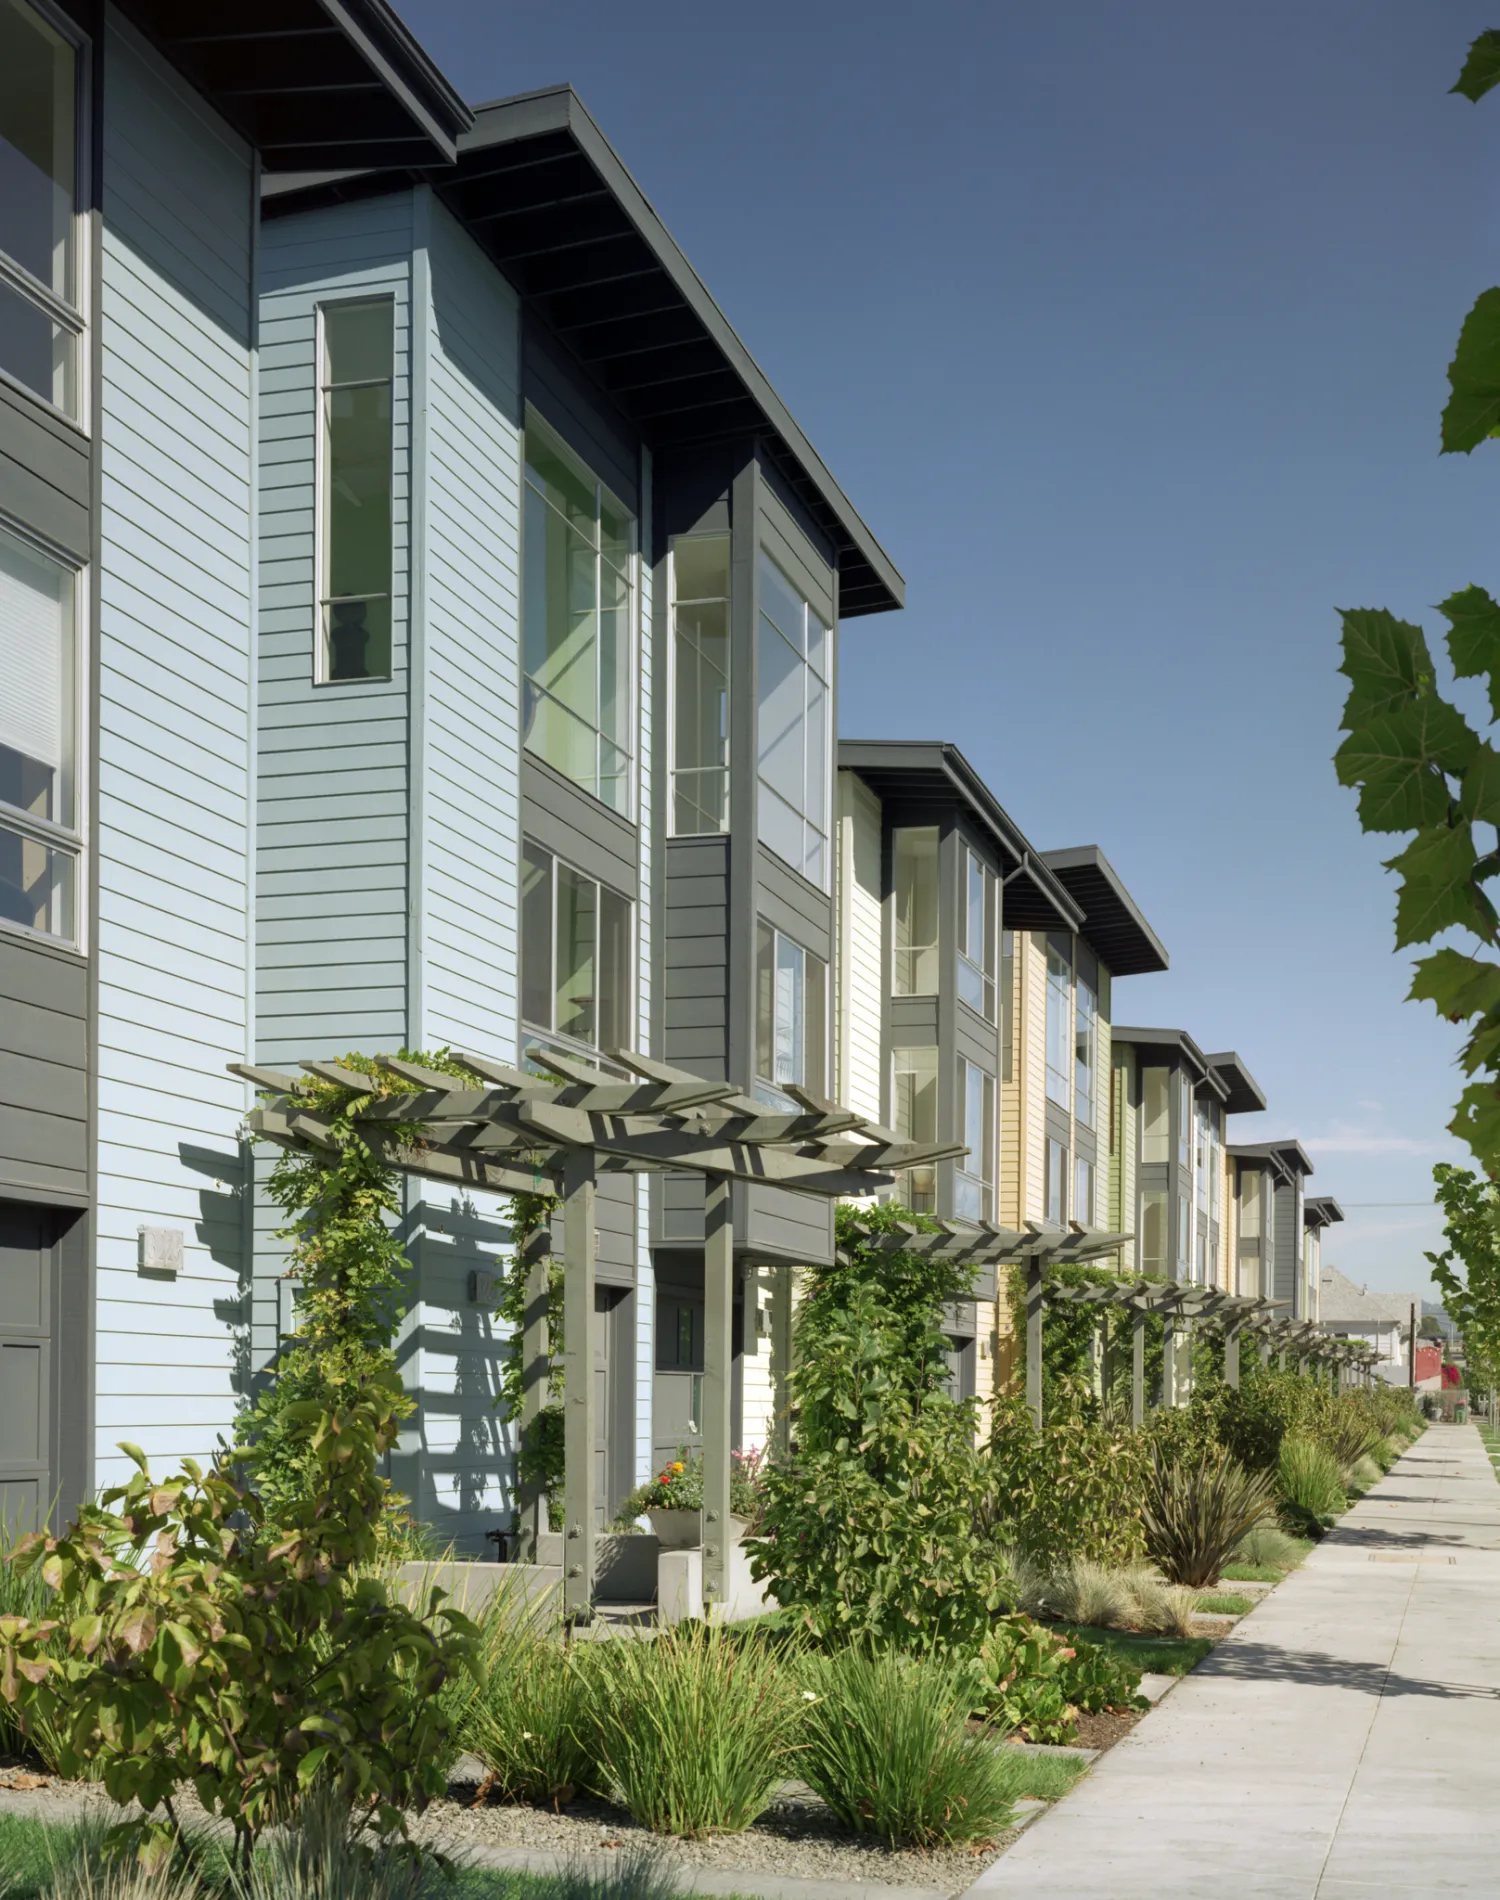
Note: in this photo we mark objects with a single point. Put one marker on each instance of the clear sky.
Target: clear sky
(1124, 325)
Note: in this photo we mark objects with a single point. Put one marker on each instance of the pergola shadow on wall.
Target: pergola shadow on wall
(556, 1134)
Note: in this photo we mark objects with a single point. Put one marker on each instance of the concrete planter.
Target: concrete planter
(677, 1530)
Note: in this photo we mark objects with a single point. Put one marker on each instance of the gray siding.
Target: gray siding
(588, 835)
(43, 1072)
(173, 838)
(44, 472)
(694, 1011)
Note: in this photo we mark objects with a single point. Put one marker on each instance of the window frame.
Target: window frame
(902, 1062)
(821, 825)
(965, 1176)
(673, 768)
(72, 841)
(983, 972)
(1085, 1101)
(914, 953)
(543, 1036)
(533, 419)
(75, 318)
(1055, 1182)
(765, 1088)
(1062, 993)
(322, 602)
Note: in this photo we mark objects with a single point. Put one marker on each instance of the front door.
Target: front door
(27, 1266)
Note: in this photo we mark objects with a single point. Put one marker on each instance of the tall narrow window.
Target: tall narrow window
(1153, 1233)
(1184, 1120)
(576, 958)
(355, 478)
(791, 1018)
(976, 936)
(1059, 1021)
(794, 660)
(1055, 1184)
(1007, 1005)
(914, 1096)
(700, 685)
(1184, 1234)
(914, 922)
(39, 840)
(1085, 1050)
(40, 319)
(1083, 1191)
(974, 1174)
(578, 621)
(1156, 1114)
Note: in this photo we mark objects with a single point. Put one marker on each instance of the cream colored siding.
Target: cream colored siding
(758, 1397)
(860, 986)
(1034, 1088)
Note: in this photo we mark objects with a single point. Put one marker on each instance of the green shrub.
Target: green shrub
(1268, 1405)
(24, 1595)
(889, 1748)
(1195, 1513)
(874, 1529)
(1312, 1492)
(1031, 1681)
(1070, 1492)
(1351, 1435)
(324, 1858)
(1266, 1543)
(694, 1729)
(529, 1720)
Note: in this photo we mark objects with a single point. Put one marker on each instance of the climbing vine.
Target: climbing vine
(539, 1451)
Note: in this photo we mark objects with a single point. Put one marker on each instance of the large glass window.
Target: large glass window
(700, 685)
(38, 740)
(1156, 1114)
(1007, 1005)
(1154, 1257)
(1059, 1021)
(791, 1017)
(914, 1096)
(1085, 1050)
(40, 320)
(976, 935)
(1184, 1120)
(576, 956)
(1083, 1191)
(1184, 1234)
(355, 478)
(794, 660)
(578, 621)
(914, 868)
(974, 1174)
(1055, 1184)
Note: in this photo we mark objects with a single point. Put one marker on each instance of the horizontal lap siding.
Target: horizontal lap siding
(645, 1274)
(456, 1458)
(174, 708)
(860, 1065)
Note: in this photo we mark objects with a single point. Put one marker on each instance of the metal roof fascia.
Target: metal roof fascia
(1089, 857)
(1227, 1060)
(405, 68)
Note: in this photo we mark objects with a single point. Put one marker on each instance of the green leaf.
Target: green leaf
(1479, 792)
(1458, 986)
(1481, 71)
(1437, 887)
(1386, 662)
(1398, 760)
(1473, 411)
(1473, 617)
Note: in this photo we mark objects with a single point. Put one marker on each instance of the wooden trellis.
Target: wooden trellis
(556, 1134)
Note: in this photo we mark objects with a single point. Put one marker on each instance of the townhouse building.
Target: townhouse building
(132, 146)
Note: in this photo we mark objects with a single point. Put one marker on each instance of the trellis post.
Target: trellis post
(579, 1243)
(1232, 1353)
(1035, 1297)
(1138, 1366)
(718, 1316)
(535, 1347)
(781, 1360)
(1168, 1359)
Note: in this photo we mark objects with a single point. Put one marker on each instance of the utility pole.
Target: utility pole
(1412, 1374)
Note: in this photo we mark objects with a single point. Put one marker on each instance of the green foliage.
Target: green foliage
(1225, 1603)
(1467, 1271)
(529, 1716)
(1310, 1483)
(888, 1746)
(1033, 1681)
(1196, 1510)
(868, 1529)
(1266, 1545)
(539, 1451)
(1481, 69)
(694, 1729)
(1072, 1490)
(678, 1486)
(1268, 1405)
(181, 1646)
(1160, 1655)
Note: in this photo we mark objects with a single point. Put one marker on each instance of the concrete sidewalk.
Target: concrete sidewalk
(1343, 1742)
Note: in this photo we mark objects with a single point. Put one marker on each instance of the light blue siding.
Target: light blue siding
(173, 840)
(645, 1298)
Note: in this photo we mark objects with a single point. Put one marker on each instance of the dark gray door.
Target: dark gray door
(603, 1301)
(27, 1266)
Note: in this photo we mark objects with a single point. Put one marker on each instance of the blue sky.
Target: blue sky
(1125, 327)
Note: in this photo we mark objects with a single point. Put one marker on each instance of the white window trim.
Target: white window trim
(830, 746)
(671, 694)
(75, 316)
(320, 457)
(571, 1045)
(764, 1082)
(74, 841)
(632, 746)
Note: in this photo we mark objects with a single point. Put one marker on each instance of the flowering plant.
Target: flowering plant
(678, 1486)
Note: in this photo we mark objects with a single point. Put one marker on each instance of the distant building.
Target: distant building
(1382, 1320)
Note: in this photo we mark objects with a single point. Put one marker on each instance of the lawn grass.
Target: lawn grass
(1251, 1573)
(1041, 1777)
(1220, 1603)
(1152, 1655)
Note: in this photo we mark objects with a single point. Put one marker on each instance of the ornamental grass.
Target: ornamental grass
(1196, 1509)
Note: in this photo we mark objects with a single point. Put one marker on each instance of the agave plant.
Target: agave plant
(1196, 1510)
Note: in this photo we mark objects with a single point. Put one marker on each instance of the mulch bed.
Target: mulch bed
(1103, 1731)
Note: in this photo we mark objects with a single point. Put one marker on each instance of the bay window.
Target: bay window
(1059, 1021)
(1085, 1050)
(1152, 1246)
(914, 1116)
(700, 685)
(974, 1173)
(41, 322)
(791, 1018)
(914, 923)
(1156, 1114)
(1055, 1182)
(976, 935)
(794, 663)
(577, 957)
(39, 798)
(356, 476)
(578, 621)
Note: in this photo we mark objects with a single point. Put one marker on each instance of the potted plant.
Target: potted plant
(673, 1502)
(746, 1486)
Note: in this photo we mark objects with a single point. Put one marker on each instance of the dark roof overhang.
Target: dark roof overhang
(1113, 923)
(1288, 1158)
(539, 186)
(312, 84)
(1179, 1044)
(928, 779)
(1321, 1210)
(1245, 1095)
